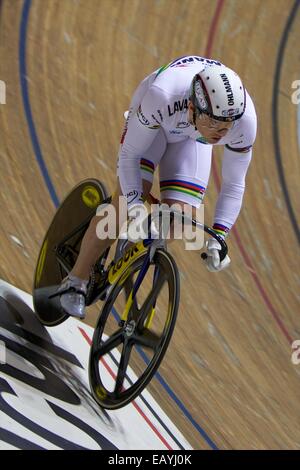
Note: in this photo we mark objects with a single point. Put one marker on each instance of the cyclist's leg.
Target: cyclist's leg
(184, 174)
(91, 245)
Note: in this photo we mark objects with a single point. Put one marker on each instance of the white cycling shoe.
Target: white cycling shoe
(72, 296)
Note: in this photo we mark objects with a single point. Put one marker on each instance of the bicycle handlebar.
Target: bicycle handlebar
(224, 249)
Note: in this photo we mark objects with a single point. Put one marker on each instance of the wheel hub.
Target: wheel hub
(129, 328)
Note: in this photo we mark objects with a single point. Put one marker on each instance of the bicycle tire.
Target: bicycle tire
(111, 399)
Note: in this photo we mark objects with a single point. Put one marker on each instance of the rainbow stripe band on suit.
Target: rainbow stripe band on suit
(221, 229)
(147, 165)
(185, 187)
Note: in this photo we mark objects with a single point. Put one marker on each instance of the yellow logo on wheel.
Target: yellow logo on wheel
(90, 197)
(101, 392)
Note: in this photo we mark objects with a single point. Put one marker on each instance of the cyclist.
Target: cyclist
(176, 116)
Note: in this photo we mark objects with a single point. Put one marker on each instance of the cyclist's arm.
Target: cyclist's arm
(141, 129)
(235, 165)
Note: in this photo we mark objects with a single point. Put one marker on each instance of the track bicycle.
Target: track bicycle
(139, 289)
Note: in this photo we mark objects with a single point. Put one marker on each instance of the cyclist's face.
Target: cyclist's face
(209, 128)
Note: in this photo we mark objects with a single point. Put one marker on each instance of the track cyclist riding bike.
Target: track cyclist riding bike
(176, 116)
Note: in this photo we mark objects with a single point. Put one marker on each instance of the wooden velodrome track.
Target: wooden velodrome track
(70, 67)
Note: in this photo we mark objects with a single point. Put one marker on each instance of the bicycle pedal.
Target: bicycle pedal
(97, 280)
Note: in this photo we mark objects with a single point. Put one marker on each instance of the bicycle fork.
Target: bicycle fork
(138, 282)
(158, 243)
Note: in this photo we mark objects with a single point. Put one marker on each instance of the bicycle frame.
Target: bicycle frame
(122, 260)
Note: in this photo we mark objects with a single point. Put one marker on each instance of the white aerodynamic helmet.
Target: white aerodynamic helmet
(218, 92)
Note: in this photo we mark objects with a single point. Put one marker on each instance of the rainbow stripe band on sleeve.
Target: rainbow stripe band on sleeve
(147, 165)
(185, 187)
(221, 229)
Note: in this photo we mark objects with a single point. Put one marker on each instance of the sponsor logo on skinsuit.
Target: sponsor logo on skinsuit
(178, 106)
(142, 118)
(131, 196)
(183, 125)
(175, 131)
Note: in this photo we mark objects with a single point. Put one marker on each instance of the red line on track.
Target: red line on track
(266, 299)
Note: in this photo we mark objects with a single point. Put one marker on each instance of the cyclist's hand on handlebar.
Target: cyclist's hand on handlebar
(213, 262)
